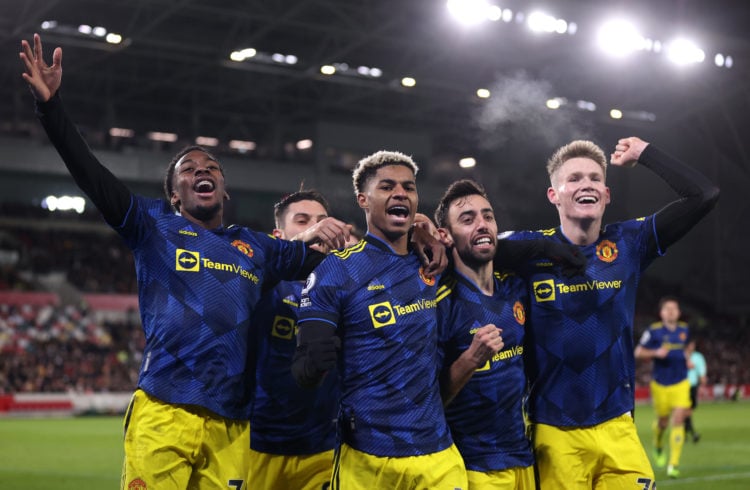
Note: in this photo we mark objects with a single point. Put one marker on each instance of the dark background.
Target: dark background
(172, 73)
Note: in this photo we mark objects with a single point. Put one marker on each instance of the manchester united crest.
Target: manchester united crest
(519, 313)
(243, 247)
(137, 484)
(606, 251)
(430, 281)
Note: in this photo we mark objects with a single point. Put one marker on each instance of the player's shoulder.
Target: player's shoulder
(682, 324)
(446, 287)
(656, 326)
(627, 226)
(528, 234)
(349, 252)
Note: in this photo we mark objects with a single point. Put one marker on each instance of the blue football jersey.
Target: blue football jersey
(580, 359)
(486, 416)
(197, 290)
(673, 368)
(384, 311)
(285, 418)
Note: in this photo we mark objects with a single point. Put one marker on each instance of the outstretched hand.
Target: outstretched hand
(44, 80)
(328, 234)
(628, 151)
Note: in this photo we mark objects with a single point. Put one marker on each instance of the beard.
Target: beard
(206, 213)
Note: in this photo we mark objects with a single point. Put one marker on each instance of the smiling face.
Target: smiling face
(578, 190)
(198, 189)
(473, 230)
(389, 198)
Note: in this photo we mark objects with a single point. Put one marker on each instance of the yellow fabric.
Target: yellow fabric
(284, 472)
(668, 397)
(676, 441)
(607, 456)
(509, 479)
(355, 470)
(182, 447)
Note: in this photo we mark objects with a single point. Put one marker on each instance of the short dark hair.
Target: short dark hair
(667, 299)
(457, 190)
(368, 167)
(281, 207)
(169, 175)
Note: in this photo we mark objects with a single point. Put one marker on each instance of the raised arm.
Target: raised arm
(698, 195)
(107, 193)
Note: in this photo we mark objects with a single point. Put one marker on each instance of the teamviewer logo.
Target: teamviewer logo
(544, 290)
(381, 314)
(187, 260)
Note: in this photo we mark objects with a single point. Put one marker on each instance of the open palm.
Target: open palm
(44, 80)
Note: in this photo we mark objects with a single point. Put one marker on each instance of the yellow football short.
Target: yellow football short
(607, 456)
(355, 470)
(284, 472)
(519, 478)
(668, 397)
(182, 447)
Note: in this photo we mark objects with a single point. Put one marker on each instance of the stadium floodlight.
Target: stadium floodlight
(408, 82)
(728, 62)
(719, 59)
(64, 203)
(494, 13)
(620, 38)
(469, 12)
(207, 141)
(684, 52)
(541, 22)
(507, 15)
(121, 132)
(327, 69)
(376, 72)
(99, 31)
(467, 162)
(615, 114)
(555, 103)
(49, 24)
(305, 144)
(113, 38)
(85, 29)
(162, 136)
(242, 146)
(483, 93)
(290, 59)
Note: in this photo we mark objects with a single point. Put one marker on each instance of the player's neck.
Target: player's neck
(581, 231)
(479, 274)
(670, 325)
(399, 243)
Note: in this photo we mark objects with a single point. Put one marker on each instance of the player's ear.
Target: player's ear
(607, 195)
(226, 196)
(174, 200)
(552, 196)
(445, 237)
(362, 201)
(277, 233)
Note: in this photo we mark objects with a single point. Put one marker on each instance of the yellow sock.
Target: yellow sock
(676, 441)
(658, 435)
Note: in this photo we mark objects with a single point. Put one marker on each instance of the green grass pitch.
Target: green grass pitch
(86, 453)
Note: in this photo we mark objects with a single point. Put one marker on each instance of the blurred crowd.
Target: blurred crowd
(63, 349)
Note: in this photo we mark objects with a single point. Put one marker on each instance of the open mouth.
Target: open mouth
(204, 186)
(587, 200)
(398, 211)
